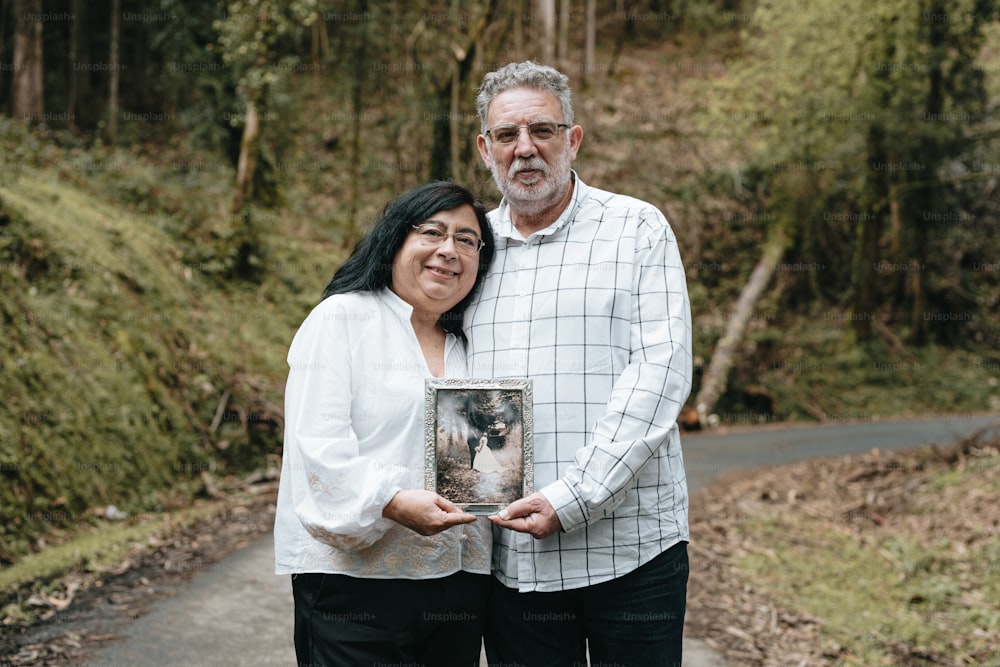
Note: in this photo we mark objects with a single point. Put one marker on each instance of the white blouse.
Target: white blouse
(354, 436)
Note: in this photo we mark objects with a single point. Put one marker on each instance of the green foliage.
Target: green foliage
(192, 79)
(828, 374)
(255, 37)
(862, 127)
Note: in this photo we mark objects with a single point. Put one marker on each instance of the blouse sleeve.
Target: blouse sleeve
(338, 494)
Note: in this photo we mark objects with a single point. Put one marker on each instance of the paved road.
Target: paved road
(706, 456)
(239, 614)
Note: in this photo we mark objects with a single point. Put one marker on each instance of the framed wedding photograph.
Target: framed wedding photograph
(478, 442)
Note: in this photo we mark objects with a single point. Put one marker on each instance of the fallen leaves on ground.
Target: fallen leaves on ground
(861, 497)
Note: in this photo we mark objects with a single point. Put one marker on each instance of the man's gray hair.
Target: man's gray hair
(528, 74)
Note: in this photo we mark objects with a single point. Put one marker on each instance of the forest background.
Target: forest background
(179, 180)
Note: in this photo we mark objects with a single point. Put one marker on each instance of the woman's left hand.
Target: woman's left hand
(425, 512)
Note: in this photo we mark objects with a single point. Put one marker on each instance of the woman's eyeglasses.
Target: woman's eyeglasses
(467, 243)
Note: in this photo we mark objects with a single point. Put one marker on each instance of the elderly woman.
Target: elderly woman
(383, 571)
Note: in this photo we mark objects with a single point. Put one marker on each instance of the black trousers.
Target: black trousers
(353, 622)
(636, 620)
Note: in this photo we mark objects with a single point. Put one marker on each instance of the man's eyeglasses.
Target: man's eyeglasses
(543, 130)
(431, 234)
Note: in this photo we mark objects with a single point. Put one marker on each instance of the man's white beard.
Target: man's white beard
(535, 198)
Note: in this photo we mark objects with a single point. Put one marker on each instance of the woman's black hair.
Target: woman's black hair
(369, 268)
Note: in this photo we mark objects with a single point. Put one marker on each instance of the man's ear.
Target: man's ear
(575, 139)
(484, 151)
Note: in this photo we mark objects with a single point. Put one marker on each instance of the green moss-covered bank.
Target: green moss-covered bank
(128, 368)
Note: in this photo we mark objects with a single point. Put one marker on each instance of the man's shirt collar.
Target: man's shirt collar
(504, 227)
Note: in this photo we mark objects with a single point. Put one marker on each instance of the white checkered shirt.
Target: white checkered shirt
(594, 309)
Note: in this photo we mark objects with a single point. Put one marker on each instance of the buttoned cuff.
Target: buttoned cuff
(569, 507)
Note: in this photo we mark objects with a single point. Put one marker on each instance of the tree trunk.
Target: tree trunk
(895, 222)
(73, 85)
(714, 382)
(547, 14)
(866, 279)
(562, 53)
(87, 105)
(112, 128)
(247, 163)
(927, 198)
(4, 13)
(357, 102)
(28, 102)
(518, 38)
(319, 51)
(590, 42)
(441, 135)
(625, 33)
(456, 86)
(866, 275)
(320, 46)
(447, 138)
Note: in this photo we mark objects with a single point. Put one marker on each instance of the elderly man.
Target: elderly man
(587, 297)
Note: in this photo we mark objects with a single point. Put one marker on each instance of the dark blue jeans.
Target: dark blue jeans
(633, 621)
(341, 620)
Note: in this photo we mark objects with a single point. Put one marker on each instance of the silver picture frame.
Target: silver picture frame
(478, 442)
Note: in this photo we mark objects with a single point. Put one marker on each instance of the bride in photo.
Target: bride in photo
(485, 461)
